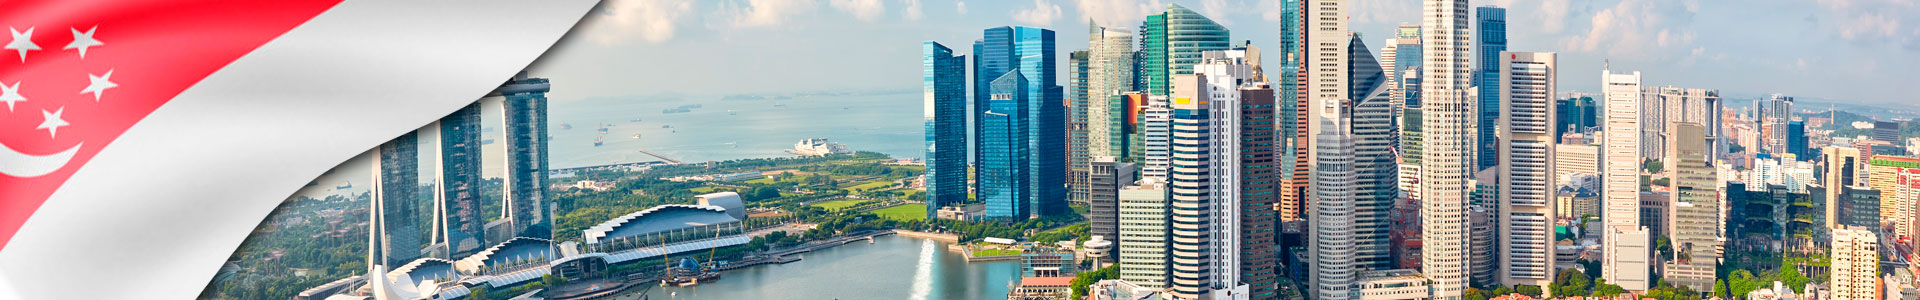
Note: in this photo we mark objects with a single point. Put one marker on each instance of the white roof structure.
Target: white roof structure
(659, 218)
(513, 249)
(645, 253)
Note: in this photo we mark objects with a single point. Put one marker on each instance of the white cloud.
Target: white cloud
(1384, 11)
(651, 20)
(1217, 10)
(960, 6)
(865, 10)
(1875, 21)
(1118, 13)
(1043, 13)
(912, 11)
(1635, 28)
(764, 13)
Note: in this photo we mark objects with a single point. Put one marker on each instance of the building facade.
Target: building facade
(1491, 25)
(1526, 171)
(524, 103)
(1625, 241)
(1694, 214)
(1144, 236)
(462, 227)
(395, 221)
(1448, 123)
(1856, 263)
(1021, 133)
(944, 89)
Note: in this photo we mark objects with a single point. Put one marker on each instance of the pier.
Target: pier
(661, 157)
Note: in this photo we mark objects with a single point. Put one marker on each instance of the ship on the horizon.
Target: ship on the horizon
(599, 141)
(565, 126)
(348, 186)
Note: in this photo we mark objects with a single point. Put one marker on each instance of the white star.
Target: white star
(83, 40)
(99, 84)
(11, 94)
(22, 42)
(53, 122)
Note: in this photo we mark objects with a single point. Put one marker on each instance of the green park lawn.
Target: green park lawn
(839, 204)
(868, 185)
(705, 189)
(909, 212)
(995, 252)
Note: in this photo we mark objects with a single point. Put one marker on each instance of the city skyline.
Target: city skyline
(1726, 37)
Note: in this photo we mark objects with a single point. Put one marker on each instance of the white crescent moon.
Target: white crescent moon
(16, 164)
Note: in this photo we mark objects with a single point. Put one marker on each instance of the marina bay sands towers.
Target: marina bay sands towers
(453, 225)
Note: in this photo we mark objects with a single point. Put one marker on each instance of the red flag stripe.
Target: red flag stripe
(152, 50)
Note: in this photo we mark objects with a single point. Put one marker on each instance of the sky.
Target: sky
(1858, 51)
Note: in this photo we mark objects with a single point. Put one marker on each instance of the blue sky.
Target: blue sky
(1858, 51)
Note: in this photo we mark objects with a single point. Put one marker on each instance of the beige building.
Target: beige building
(1693, 214)
(1401, 284)
(1570, 159)
(1842, 171)
(1448, 146)
(1626, 240)
(1528, 180)
(1855, 254)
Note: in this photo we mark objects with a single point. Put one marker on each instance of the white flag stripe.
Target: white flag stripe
(156, 213)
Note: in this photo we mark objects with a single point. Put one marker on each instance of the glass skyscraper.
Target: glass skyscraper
(945, 88)
(525, 122)
(1188, 35)
(395, 224)
(1152, 72)
(1492, 24)
(1020, 124)
(462, 223)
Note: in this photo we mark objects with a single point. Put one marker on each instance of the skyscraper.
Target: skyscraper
(1695, 225)
(1576, 114)
(1797, 140)
(1492, 25)
(1293, 106)
(1157, 133)
(944, 89)
(524, 103)
(1109, 74)
(1843, 169)
(1189, 34)
(1021, 127)
(1103, 201)
(1772, 114)
(462, 228)
(1078, 156)
(1896, 177)
(1331, 223)
(1448, 145)
(1526, 172)
(1198, 266)
(1666, 105)
(1151, 76)
(1376, 181)
(1625, 240)
(395, 222)
(1856, 264)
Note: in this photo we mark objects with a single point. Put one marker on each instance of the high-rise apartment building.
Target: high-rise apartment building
(1019, 124)
(524, 103)
(1447, 126)
(395, 237)
(1856, 264)
(1491, 25)
(1694, 222)
(1666, 105)
(944, 90)
(461, 223)
(1625, 241)
(1144, 237)
(1526, 89)
(1896, 177)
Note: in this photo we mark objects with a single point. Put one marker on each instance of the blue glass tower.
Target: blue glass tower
(1020, 122)
(525, 122)
(1492, 38)
(1797, 141)
(945, 85)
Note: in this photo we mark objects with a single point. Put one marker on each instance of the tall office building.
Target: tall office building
(1242, 107)
(1204, 225)
(1447, 145)
(1293, 105)
(395, 236)
(1797, 141)
(1156, 126)
(1842, 170)
(1577, 114)
(1887, 131)
(1019, 124)
(1151, 71)
(944, 90)
(1772, 115)
(1190, 34)
(1144, 237)
(1332, 257)
(1483, 229)
(1375, 169)
(1410, 136)
(1399, 62)
(1525, 91)
(1491, 22)
(1694, 226)
(1625, 241)
(1109, 75)
(1103, 201)
(461, 225)
(1856, 264)
(1078, 141)
(524, 104)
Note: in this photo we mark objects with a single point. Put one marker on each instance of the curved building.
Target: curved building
(664, 218)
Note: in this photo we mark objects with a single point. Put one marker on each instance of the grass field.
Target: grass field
(909, 212)
(704, 189)
(838, 204)
(868, 185)
(994, 252)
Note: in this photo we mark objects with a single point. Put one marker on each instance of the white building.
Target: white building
(1392, 285)
(1855, 254)
(1157, 132)
(1143, 235)
(1332, 259)
(1448, 125)
(1526, 146)
(1626, 240)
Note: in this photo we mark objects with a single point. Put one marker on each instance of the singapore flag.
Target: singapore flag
(141, 141)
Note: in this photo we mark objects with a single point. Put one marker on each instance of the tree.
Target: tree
(1084, 280)
(1603, 289)
(1651, 165)
(479, 292)
(1474, 294)
(1529, 290)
